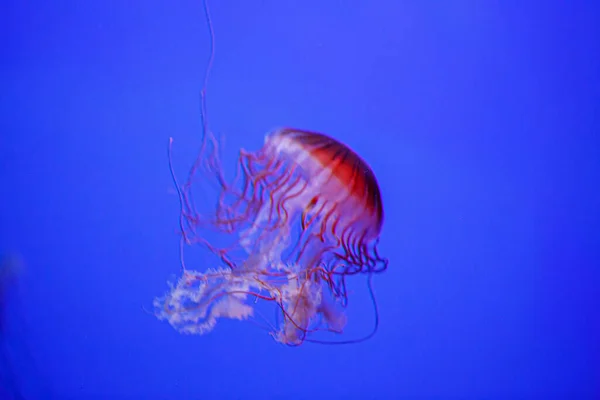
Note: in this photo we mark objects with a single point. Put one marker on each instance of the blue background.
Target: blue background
(480, 119)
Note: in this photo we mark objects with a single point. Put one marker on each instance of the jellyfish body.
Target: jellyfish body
(307, 212)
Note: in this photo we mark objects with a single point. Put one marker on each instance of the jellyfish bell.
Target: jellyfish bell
(338, 187)
(307, 212)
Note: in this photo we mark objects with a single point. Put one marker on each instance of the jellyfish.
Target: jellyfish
(302, 215)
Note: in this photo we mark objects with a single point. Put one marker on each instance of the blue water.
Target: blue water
(480, 120)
